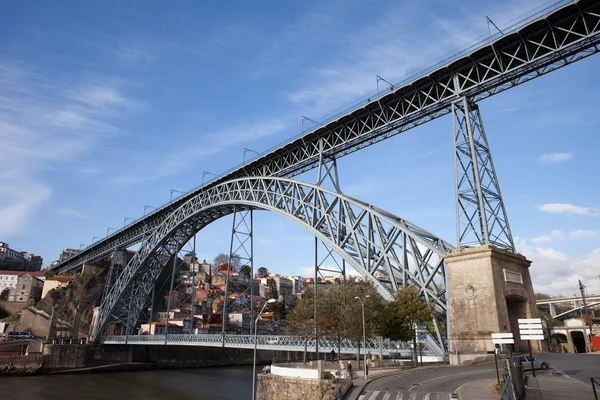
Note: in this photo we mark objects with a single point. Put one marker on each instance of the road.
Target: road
(570, 372)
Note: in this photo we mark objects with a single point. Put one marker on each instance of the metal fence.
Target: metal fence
(508, 391)
(595, 384)
(268, 342)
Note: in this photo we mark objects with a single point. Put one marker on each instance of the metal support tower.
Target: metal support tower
(327, 176)
(480, 213)
(242, 248)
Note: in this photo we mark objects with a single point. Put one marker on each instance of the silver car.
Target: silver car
(537, 363)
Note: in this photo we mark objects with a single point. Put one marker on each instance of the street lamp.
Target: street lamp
(270, 301)
(362, 304)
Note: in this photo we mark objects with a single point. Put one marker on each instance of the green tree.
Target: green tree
(340, 311)
(4, 294)
(224, 258)
(263, 272)
(301, 317)
(409, 308)
(3, 313)
(246, 271)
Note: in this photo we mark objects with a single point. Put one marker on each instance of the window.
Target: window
(23, 288)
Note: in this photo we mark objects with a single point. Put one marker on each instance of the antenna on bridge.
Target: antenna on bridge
(311, 120)
(378, 78)
(204, 173)
(246, 150)
(174, 191)
(489, 21)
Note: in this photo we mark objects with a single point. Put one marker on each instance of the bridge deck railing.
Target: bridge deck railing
(264, 342)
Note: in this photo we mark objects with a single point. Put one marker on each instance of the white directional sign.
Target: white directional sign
(531, 329)
(503, 338)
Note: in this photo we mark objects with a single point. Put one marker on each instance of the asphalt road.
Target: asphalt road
(572, 371)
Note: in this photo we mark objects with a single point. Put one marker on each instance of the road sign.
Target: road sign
(502, 335)
(532, 337)
(531, 329)
(531, 332)
(503, 338)
(530, 321)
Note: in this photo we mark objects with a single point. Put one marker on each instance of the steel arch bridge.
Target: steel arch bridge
(385, 249)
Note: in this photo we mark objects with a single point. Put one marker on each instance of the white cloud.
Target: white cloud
(541, 240)
(265, 241)
(557, 234)
(553, 158)
(562, 208)
(19, 202)
(582, 234)
(47, 120)
(69, 212)
(398, 45)
(178, 159)
(555, 273)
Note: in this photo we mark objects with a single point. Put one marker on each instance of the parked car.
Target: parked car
(537, 363)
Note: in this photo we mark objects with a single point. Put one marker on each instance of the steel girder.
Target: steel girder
(480, 213)
(537, 46)
(385, 249)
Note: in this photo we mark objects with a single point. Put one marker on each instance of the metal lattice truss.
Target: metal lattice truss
(548, 41)
(385, 249)
(480, 213)
(281, 343)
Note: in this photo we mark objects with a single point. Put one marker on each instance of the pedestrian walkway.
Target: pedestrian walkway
(477, 390)
(402, 395)
(557, 387)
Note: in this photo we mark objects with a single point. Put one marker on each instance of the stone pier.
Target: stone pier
(489, 289)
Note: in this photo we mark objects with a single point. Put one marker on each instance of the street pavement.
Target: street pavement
(567, 379)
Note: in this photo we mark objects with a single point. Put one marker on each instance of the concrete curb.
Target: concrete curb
(356, 390)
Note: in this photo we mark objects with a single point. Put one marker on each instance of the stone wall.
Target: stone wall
(272, 387)
(20, 365)
(30, 321)
(12, 307)
(488, 290)
(61, 357)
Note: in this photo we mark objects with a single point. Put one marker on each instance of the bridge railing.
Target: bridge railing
(265, 342)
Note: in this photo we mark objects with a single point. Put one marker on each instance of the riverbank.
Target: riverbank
(84, 359)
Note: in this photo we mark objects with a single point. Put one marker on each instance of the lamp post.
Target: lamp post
(270, 301)
(362, 304)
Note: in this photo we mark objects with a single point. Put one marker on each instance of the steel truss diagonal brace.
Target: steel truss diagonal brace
(386, 250)
(480, 213)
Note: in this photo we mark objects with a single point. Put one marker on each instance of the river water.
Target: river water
(226, 383)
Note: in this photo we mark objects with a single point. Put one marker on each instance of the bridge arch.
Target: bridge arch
(385, 249)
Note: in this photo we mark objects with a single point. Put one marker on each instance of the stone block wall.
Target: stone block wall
(30, 321)
(20, 365)
(272, 387)
(60, 357)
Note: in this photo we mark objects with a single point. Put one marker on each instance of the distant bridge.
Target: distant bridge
(576, 304)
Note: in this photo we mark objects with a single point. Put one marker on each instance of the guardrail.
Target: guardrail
(264, 342)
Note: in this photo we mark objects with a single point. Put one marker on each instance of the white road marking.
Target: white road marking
(374, 395)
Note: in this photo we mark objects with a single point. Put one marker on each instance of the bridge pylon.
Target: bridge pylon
(480, 213)
(489, 285)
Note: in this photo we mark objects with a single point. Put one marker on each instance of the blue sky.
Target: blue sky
(105, 107)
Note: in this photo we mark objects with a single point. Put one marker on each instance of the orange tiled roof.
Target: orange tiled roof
(61, 278)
